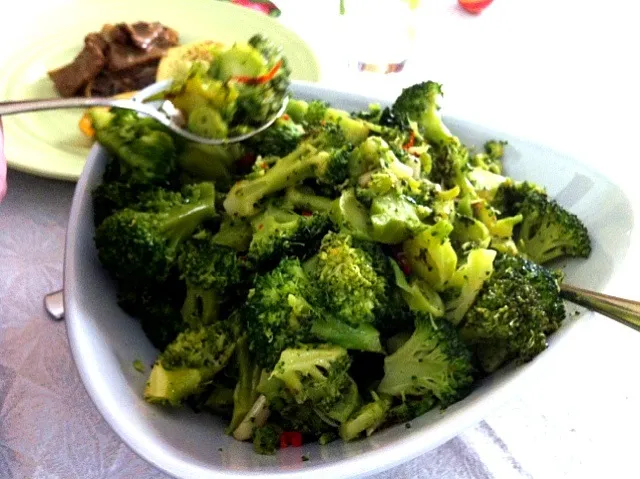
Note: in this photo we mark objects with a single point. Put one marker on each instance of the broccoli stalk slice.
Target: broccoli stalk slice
(433, 360)
(362, 337)
(467, 281)
(304, 199)
(245, 392)
(371, 416)
(170, 387)
(189, 363)
(303, 163)
(201, 305)
(418, 294)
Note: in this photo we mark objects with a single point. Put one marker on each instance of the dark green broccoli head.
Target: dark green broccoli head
(145, 150)
(348, 286)
(190, 362)
(210, 271)
(136, 245)
(548, 231)
(450, 162)
(491, 158)
(315, 376)
(280, 233)
(433, 361)
(156, 306)
(266, 439)
(513, 313)
(110, 196)
(420, 104)
(277, 313)
(279, 139)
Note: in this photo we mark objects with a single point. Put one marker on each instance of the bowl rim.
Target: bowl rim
(367, 463)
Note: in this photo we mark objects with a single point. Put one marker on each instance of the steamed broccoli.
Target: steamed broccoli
(279, 139)
(277, 313)
(306, 200)
(433, 361)
(210, 272)
(145, 150)
(515, 310)
(245, 393)
(323, 156)
(491, 158)
(367, 419)
(190, 362)
(314, 377)
(348, 291)
(136, 245)
(280, 233)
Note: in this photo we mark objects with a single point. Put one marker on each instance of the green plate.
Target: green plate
(49, 143)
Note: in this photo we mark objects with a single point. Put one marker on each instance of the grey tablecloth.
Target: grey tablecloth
(49, 427)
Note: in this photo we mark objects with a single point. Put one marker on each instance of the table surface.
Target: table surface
(564, 75)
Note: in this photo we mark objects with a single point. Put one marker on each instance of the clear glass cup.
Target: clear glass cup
(378, 34)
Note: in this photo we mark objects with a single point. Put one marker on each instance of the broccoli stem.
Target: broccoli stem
(304, 199)
(201, 306)
(367, 419)
(169, 387)
(362, 338)
(299, 165)
(245, 393)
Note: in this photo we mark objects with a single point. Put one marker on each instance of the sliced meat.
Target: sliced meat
(109, 83)
(121, 57)
(72, 78)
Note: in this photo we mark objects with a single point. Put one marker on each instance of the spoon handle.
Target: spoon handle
(624, 311)
(25, 106)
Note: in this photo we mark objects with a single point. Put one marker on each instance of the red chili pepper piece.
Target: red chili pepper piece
(401, 259)
(307, 213)
(410, 142)
(474, 6)
(262, 78)
(286, 117)
(290, 438)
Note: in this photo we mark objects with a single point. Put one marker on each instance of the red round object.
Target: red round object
(474, 6)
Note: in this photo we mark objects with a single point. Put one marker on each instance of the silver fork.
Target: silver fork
(624, 311)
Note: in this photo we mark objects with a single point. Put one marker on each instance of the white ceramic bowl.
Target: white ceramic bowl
(105, 341)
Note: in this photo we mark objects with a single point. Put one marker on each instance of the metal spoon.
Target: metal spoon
(624, 311)
(161, 110)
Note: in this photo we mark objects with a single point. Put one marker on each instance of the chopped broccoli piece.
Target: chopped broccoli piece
(433, 361)
(279, 233)
(144, 149)
(245, 392)
(266, 439)
(277, 313)
(305, 199)
(210, 271)
(144, 245)
(517, 307)
(188, 364)
(367, 419)
(279, 139)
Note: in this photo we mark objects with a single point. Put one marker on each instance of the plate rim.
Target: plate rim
(27, 167)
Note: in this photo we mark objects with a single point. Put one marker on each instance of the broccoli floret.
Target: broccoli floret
(210, 272)
(420, 103)
(317, 113)
(348, 214)
(111, 196)
(517, 307)
(189, 363)
(245, 392)
(410, 408)
(548, 231)
(266, 439)
(279, 233)
(277, 313)
(433, 361)
(145, 150)
(234, 233)
(367, 419)
(323, 157)
(464, 285)
(156, 306)
(431, 255)
(349, 292)
(491, 158)
(315, 377)
(134, 245)
(279, 139)
(419, 296)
